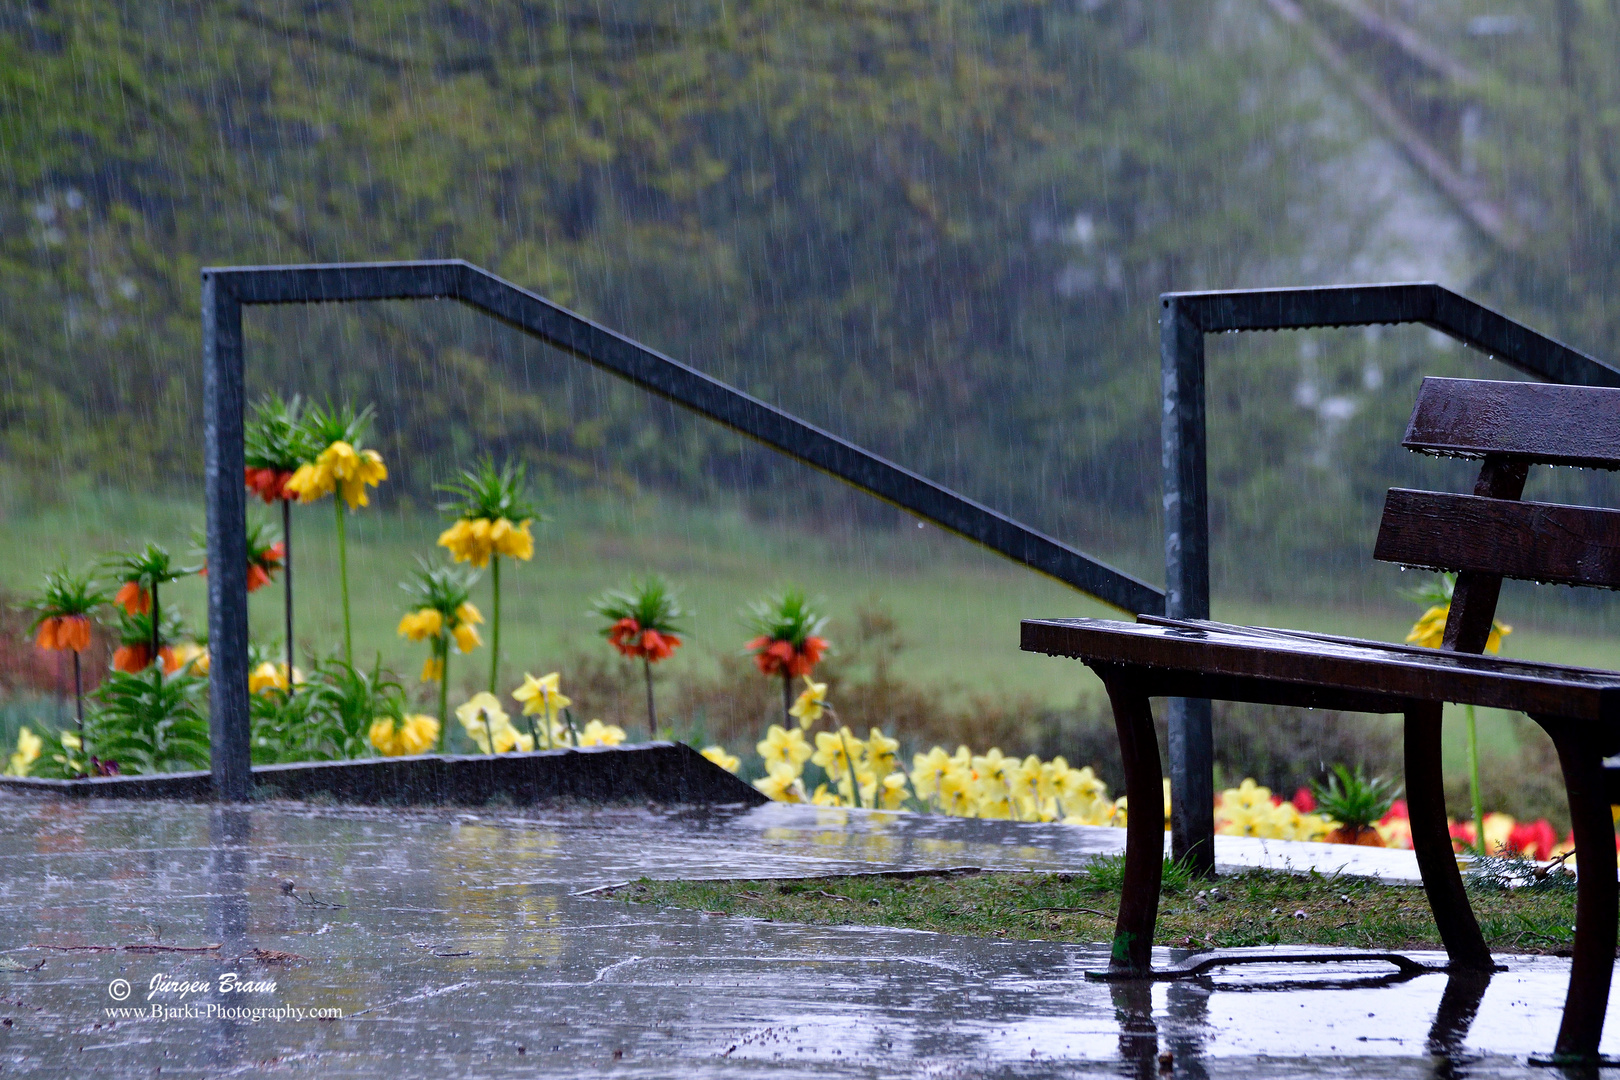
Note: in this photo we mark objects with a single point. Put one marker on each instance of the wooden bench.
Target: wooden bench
(1484, 537)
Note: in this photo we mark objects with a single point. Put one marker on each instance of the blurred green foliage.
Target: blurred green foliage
(938, 228)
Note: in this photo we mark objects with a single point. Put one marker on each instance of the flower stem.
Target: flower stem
(286, 580)
(78, 696)
(787, 700)
(652, 713)
(495, 623)
(343, 578)
(1473, 782)
(442, 647)
(849, 768)
(155, 614)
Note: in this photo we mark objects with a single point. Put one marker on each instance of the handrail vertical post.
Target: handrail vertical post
(223, 400)
(1191, 743)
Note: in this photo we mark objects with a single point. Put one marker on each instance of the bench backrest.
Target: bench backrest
(1491, 534)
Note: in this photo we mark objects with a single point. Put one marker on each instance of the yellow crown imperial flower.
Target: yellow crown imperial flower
(517, 542)
(368, 471)
(432, 669)
(467, 638)
(421, 624)
(268, 676)
(415, 734)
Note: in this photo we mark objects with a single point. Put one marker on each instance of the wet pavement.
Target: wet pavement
(455, 944)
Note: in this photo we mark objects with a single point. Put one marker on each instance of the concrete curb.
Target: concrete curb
(649, 772)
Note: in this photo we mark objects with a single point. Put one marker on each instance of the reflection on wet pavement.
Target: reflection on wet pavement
(455, 945)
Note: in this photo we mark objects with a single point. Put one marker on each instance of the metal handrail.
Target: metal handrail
(225, 290)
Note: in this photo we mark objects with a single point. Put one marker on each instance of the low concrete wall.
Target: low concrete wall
(649, 772)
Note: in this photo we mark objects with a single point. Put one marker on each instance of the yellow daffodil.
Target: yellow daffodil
(432, 669)
(994, 767)
(781, 746)
(956, 793)
(891, 794)
(1430, 630)
(488, 725)
(781, 783)
(835, 751)
(542, 696)
(29, 747)
(421, 624)
(720, 757)
(881, 756)
(822, 797)
(597, 733)
(927, 770)
(811, 703)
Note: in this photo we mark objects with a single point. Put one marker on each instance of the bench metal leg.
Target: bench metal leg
(1431, 842)
(1597, 896)
(1144, 827)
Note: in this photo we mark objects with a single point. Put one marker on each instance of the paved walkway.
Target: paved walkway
(461, 949)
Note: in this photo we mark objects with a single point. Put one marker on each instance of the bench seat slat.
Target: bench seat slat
(1193, 659)
(1539, 422)
(1570, 545)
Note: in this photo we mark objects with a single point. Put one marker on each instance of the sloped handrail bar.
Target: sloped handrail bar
(1184, 319)
(226, 290)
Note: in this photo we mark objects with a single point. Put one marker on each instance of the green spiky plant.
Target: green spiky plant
(443, 589)
(491, 494)
(323, 425)
(275, 439)
(656, 613)
(1355, 801)
(69, 595)
(149, 722)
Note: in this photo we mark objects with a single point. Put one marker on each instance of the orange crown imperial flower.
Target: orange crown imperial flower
(269, 484)
(137, 658)
(134, 598)
(776, 657)
(64, 633)
(630, 639)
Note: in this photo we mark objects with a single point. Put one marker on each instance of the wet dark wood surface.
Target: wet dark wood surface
(1322, 671)
(1540, 422)
(1569, 545)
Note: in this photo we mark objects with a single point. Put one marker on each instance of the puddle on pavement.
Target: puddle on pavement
(454, 945)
